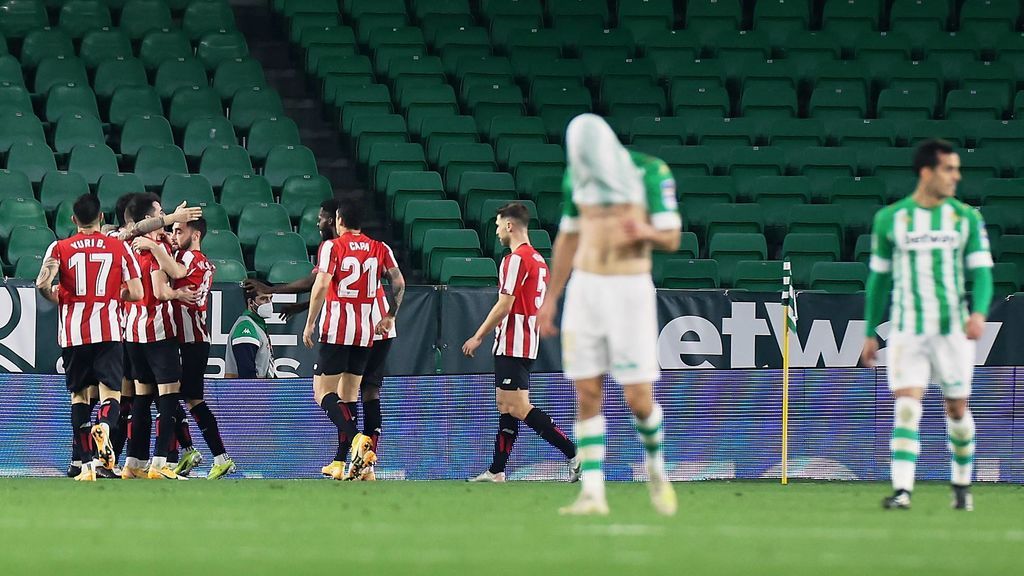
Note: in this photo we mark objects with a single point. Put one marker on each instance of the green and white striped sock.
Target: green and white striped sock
(651, 434)
(906, 443)
(961, 448)
(590, 451)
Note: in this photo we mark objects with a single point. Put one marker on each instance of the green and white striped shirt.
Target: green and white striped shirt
(927, 250)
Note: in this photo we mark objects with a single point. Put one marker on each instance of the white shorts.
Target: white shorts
(914, 360)
(610, 326)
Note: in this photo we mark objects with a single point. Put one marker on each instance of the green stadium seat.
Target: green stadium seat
(165, 45)
(711, 17)
(117, 72)
(643, 19)
(696, 104)
(494, 101)
(839, 277)
(976, 165)
(989, 20)
(822, 166)
(104, 44)
(804, 250)
(34, 159)
(879, 50)
(130, 101)
(763, 102)
(925, 129)
(21, 17)
(852, 19)
(386, 158)
(154, 163)
(667, 48)
(237, 74)
(276, 246)
(437, 132)
(20, 127)
(75, 129)
(532, 44)
(816, 219)
(539, 239)
(777, 195)
(1004, 280)
(304, 191)
(954, 52)
(28, 266)
(406, 186)
(386, 14)
(60, 187)
(258, 219)
(999, 222)
(205, 17)
(624, 73)
(864, 134)
(221, 46)
(139, 131)
(469, 272)
(1010, 50)
(28, 241)
(904, 104)
(70, 98)
(809, 52)
(204, 132)
(269, 132)
(1010, 251)
(309, 227)
(505, 133)
(221, 161)
(919, 19)
(457, 44)
(286, 272)
(390, 42)
(578, 16)
(284, 161)
(558, 106)
(530, 163)
(59, 70)
(794, 133)
(688, 250)
(505, 17)
(423, 215)
(890, 163)
(999, 193)
(734, 49)
(924, 77)
(191, 102)
(996, 77)
(440, 244)
(337, 67)
(555, 74)
(45, 43)
(362, 100)
(15, 98)
(456, 159)
(376, 129)
(192, 188)
(138, 17)
(423, 102)
(845, 75)
(240, 191)
(687, 160)
(746, 164)
(733, 219)
(970, 106)
(691, 274)
(16, 212)
(837, 103)
(858, 191)
(223, 245)
(14, 184)
(862, 249)
(475, 188)
(412, 71)
(765, 276)
(780, 18)
(625, 104)
(114, 185)
(325, 33)
(766, 74)
(651, 133)
(251, 104)
(176, 74)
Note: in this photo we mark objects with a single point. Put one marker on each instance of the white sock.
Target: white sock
(905, 444)
(961, 448)
(158, 462)
(76, 463)
(651, 434)
(222, 459)
(130, 462)
(590, 450)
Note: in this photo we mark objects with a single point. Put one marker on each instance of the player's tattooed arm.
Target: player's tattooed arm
(44, 281)
(182, 213)
(394, 293)
(174, 269)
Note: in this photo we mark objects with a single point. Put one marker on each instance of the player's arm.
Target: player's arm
(879, 284)
(395, 291)
(665, 227)
(563, 252)
(300, 286)
(498, 313)
(181, 214)
(979, 262)
(174, 269)
(131, 290)
(47, 273)
(316, 303)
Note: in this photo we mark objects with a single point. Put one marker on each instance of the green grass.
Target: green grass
(305, 527)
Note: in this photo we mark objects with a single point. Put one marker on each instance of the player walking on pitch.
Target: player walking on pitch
(618, 205)
(94, 272)
(922, 247)
(513, 319)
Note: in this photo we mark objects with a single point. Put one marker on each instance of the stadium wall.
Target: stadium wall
(720, 424)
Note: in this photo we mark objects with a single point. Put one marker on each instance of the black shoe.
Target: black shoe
(900, 500)
(104, 472)
(962, 499)
(73, 471)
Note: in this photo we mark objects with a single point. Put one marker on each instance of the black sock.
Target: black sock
(165, 404)
(508, 430)
(207, 424)
(372, 420)
(110, 413)
(119, 433)
(543, 426)
(353, 409)
(80, 425)
(76, 449)
(181, 431)
(141, 427)
(342, 419)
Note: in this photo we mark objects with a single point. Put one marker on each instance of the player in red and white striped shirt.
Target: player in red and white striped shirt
(94, 274)
(350, 269)
(521, 289)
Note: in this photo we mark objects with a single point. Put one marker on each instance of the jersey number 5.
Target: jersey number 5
(542, 286)
(77, 264)
(355, 270)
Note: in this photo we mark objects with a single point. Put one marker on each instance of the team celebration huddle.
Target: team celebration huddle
(133, 326)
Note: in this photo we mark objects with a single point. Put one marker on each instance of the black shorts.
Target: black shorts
(155, 362)
(91, 364)
(374, 374)
(129, 374)
(512, 373)
(195, 356)
(334, 359)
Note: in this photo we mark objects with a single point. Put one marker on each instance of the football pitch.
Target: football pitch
(52, 526)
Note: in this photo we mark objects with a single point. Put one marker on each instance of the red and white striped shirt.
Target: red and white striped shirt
(356, 263)
(191, 318)
(92, 268)
(149, 319)
(524, 276)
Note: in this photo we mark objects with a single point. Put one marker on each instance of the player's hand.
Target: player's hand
(975, 326)
(469, 348)
(288, 311)
(186, 295)
(142, 243)
(637, 230)
(307, 336)
(867, 356)
(185, 213)
(385, 325)
(546, 320)
(255, 287)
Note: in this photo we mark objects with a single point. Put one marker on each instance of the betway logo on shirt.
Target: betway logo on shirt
(364, 246)
(930, 240)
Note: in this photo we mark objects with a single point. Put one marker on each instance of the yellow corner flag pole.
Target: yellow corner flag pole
(787, 292)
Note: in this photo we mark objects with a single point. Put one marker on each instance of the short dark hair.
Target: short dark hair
(198, 225)
(515, 211)
(141, 205)
(926, 155)
(350, 214)
(87, 209)
(330, 206)
(122, 205)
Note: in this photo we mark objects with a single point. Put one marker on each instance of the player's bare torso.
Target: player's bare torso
(604, 247)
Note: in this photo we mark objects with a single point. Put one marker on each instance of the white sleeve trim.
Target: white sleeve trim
(245, 340)
(880, 265)
(666, 221)
(979, 259)
(569, 224)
